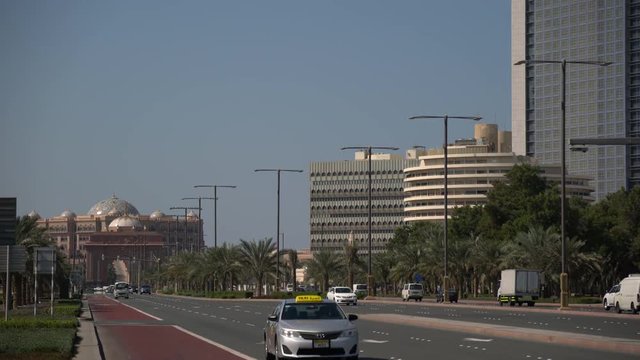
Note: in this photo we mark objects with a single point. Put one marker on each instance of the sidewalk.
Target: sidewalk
(88, 346)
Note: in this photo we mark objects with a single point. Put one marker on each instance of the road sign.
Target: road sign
(45, 260)
(7, 221)
(17, 258)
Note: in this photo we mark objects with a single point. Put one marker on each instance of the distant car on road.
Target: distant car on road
(121, 290)
(310, 327)
(342, 295)
(608, 300)
(145, 289)
(412, 291)
(360, 289)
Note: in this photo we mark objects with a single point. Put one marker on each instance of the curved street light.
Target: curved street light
(445, 280)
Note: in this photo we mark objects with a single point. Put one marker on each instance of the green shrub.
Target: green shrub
(27, 343)
(38, 323)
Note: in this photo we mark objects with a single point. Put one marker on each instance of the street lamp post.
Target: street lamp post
(278, 221)
(215, 208)
(564, 277)
(199, 198)
(185, 208)
(445, 280)
(368, 150)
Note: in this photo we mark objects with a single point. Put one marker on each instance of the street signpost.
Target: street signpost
(13, 258)
(45, 263)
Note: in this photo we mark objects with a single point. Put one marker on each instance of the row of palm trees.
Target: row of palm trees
(416, 252)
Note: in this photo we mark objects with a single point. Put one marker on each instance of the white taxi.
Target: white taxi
(310, 327)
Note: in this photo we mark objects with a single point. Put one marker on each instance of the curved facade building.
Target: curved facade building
(473, 169)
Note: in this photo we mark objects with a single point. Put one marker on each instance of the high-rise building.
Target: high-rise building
(601, 102)
(339, 200)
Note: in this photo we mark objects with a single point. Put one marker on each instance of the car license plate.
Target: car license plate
(320, 344)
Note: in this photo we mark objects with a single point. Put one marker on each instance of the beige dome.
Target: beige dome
(125, 223)
(157, 215)
(68, 214)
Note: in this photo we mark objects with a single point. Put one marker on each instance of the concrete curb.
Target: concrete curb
(626, 346)
(88, 347)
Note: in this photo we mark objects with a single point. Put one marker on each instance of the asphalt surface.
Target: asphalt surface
(405, 334)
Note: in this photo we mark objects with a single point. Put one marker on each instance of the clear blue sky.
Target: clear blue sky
(145, 99)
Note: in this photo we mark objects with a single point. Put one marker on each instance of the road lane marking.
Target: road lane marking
(234, 352)
(248, 324)
(371, 341)
(478, 340)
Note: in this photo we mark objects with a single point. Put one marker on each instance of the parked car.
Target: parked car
(608, 300)
(145, 289)
(412, 291)
(342, 295)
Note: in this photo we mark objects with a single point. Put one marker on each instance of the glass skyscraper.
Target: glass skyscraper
(601, 102)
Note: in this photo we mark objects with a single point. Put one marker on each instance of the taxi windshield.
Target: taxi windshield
(343, 290)
(322, 311)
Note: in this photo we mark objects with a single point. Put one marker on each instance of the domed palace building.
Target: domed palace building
(114, 238)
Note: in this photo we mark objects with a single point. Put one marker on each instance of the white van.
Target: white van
(628, 299)
(121, 289)
(360, 289)
(412, 291)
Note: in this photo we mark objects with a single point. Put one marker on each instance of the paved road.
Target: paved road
(238, 324)
(599, 323)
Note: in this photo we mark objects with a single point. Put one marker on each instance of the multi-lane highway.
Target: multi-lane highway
(391, 330)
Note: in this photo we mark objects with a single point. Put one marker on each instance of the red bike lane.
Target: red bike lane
(126, 333)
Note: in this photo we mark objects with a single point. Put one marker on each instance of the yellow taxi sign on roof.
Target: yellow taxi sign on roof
(308, 298)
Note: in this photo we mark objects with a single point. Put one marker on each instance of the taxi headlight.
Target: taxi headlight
(289, 333)
(350, 333)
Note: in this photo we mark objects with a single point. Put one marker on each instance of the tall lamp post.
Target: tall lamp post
(564, 277)
(445, 280)
(278, 221)
(185, 208)
(215, 208)
(199, 198)
(368, 150)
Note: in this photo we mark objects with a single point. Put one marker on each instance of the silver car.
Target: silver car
(310, 327)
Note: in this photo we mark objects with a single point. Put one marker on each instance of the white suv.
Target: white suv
(608, 300)
(412, 291)
(342, 295)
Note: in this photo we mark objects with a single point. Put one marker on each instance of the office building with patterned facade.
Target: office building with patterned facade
(474, 165)
(601, 102)
(113, 234)
(339, 200)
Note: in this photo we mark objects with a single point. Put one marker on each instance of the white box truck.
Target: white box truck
(518, 286)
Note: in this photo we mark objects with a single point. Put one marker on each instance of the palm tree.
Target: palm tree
(351, 261)
(324, 265)
(29, 235)
(294, 263)
(487, 255)
(178, 269)
(259, 259)
(382, 263)
(227, 265)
